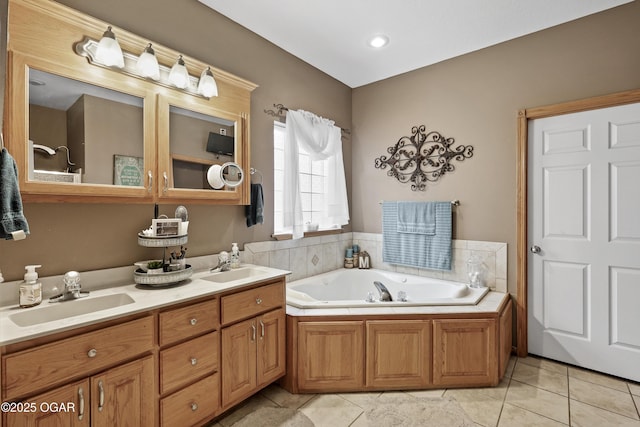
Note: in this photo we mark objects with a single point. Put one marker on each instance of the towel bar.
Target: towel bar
(453, 202)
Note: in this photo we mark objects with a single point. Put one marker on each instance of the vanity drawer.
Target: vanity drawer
(184, 362)
(49, 364)
(190, 321)
(191, 405)
(245, 304)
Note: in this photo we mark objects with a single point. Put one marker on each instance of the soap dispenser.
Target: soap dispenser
(31, 288)
(235, 256)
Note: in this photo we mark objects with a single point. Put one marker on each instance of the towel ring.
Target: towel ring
(254, 171)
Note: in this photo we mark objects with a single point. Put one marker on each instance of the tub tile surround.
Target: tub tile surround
(585, 399)
(314, 255)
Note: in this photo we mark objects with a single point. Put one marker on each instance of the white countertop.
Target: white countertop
(145, 298)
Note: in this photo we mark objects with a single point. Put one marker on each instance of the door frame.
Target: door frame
(522, 172)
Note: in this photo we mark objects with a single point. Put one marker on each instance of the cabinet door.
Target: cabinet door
(387, 365)
(271, 346)
(74, 413)
(238, 361)
(465, 352)
(330, 355)
(124, 395)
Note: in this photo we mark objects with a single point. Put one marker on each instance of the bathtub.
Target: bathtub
(353, 287)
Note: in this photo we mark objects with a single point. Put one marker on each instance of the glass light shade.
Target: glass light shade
(179, 76)
(207, 86)
(108, 51)
(147, 65)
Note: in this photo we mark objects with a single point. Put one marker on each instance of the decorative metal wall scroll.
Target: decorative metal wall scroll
(422, 157)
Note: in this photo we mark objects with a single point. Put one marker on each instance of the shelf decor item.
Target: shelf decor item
(421, 157)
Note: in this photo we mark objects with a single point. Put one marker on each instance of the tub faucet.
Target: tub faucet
(71, 288)
(384, 292)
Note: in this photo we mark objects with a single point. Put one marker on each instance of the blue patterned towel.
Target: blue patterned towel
(417, 217)
(11, 216)
(417, 250)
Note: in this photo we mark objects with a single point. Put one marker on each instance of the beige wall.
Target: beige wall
(474, 99)
(91, 236)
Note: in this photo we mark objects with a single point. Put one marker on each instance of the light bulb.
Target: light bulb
(207, 86)
(147, 65)
(108, 52)
(179, 76)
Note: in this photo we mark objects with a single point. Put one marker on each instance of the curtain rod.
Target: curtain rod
(280, 112)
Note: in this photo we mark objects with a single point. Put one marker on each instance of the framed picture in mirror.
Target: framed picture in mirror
(128, 170)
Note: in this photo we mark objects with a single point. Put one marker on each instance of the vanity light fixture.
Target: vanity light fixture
(179, 76)
(207, 86)
(108, 51)
(143, 67)
(147, 65)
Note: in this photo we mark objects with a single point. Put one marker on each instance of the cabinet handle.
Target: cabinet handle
(258, 301)
(194, 406)
(194, 361)
(253, 332)
(150, 174)
(101, 396)
(261, 329)
(92, 353)
(166, 181)
(193, 321)
(80, 403)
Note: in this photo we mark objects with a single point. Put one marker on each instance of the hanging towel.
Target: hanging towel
(12, 219)
(255, 211)
(417, 217)
(417, 250)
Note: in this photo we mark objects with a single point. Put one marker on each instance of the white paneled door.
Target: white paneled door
(584, 239)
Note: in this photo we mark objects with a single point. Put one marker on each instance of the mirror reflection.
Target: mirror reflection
(197, 142)
(79, 132)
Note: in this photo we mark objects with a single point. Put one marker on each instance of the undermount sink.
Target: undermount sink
(231, 275)
(49, 312)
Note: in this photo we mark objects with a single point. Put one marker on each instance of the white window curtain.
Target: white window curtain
(322, 140)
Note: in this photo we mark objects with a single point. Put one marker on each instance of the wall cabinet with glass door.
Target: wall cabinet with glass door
(81, 132)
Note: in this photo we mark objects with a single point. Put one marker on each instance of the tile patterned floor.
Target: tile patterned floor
(534, 392)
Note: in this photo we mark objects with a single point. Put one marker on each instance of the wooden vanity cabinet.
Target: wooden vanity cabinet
(189, 362)
(113, 376)
(253, 349)
(174, 367)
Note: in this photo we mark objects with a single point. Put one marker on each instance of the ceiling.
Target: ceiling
(332, 35)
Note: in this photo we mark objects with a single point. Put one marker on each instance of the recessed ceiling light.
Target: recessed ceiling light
(378, 41)
(34, 82)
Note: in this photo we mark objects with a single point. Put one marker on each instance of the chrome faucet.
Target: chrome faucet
(72, 288)
(223, 265)
(385, 295)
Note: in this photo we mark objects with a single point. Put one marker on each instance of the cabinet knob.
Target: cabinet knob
(258, 301)
(194, 361)
(92, 353)
(194, 406)
(193, 321)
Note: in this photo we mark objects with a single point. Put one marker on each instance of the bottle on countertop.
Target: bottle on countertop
(31, 288)
(235, 256)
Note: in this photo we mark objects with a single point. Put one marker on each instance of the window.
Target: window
(313, 184)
